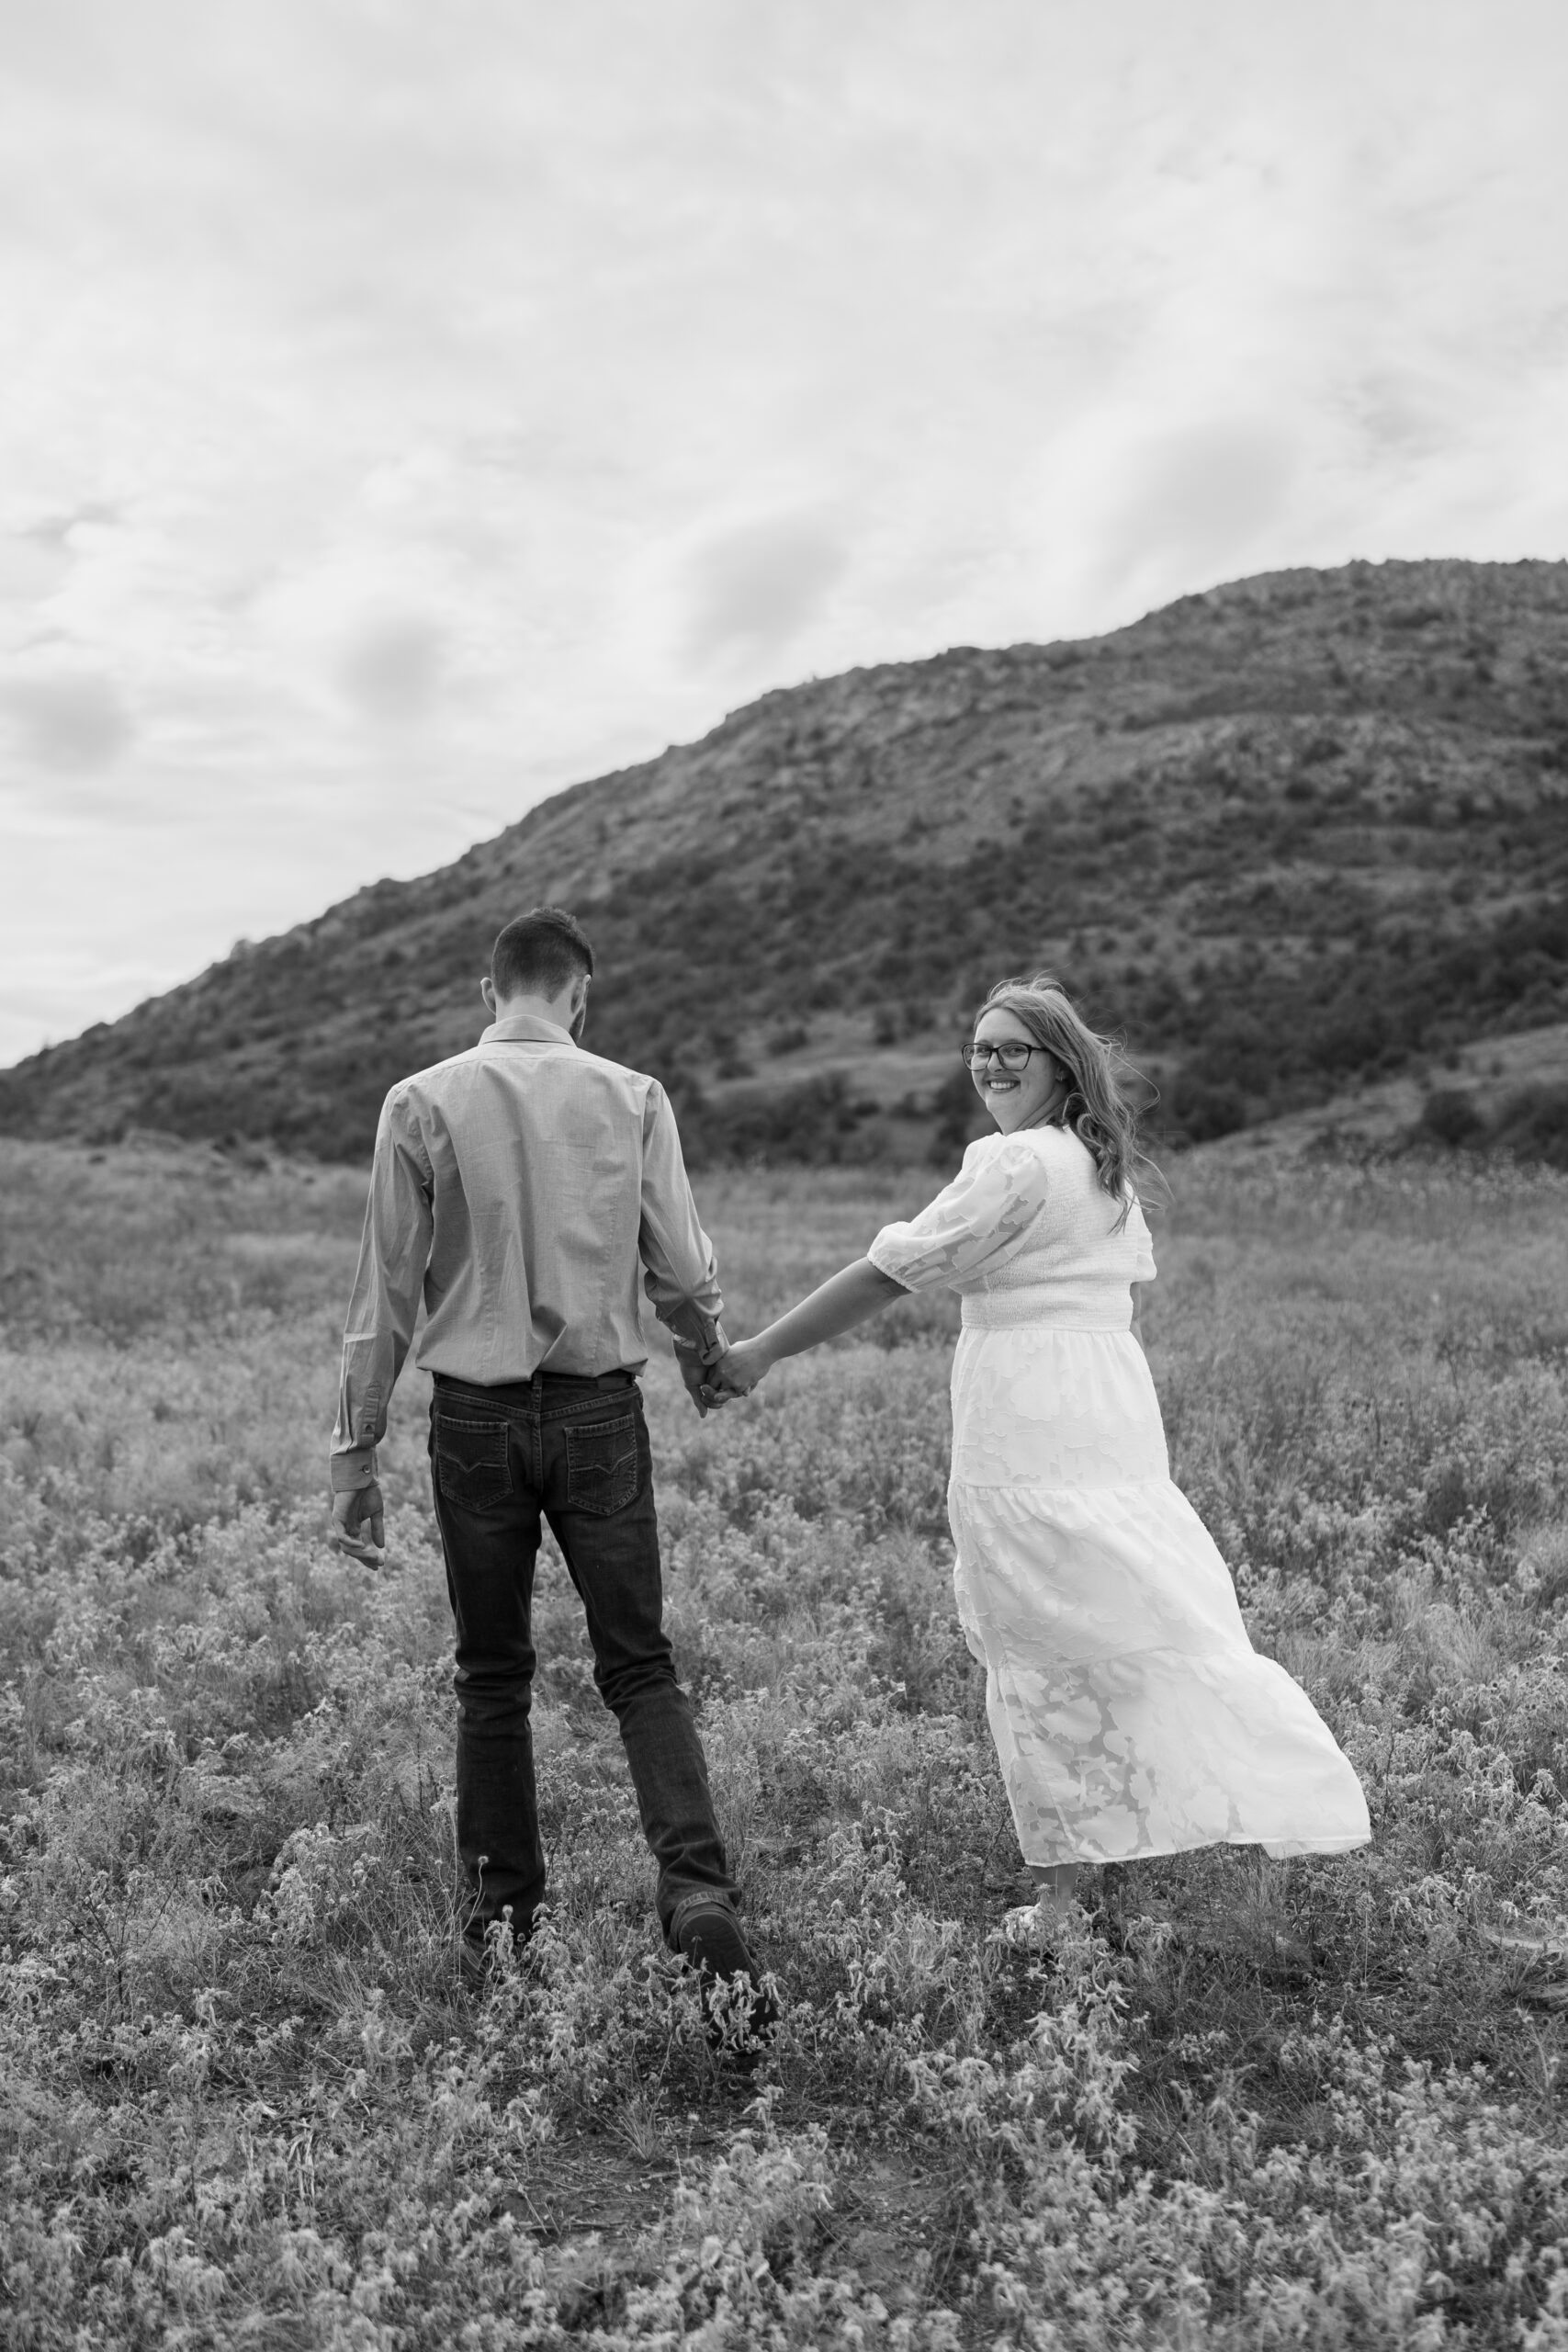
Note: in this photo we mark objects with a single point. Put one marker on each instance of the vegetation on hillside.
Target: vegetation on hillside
(1294, 833)
(244, 2098)
(1530, 1123)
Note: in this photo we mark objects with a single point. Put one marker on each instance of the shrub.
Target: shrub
(817, 1121)
(1449, 1114)
(1533, 1125)
(1200, 1111)
(959, 1116)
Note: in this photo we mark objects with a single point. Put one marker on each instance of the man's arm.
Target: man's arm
(394, 1251)
(680, 1275)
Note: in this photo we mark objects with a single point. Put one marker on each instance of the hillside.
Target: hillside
(1302, 830)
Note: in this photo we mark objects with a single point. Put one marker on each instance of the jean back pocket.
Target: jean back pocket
(472, 1465)
(602, 1467)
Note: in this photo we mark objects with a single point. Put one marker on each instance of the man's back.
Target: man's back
(517, 1188)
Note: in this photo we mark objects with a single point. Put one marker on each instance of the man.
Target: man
(518, 1186)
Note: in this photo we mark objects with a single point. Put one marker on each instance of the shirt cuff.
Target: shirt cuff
(695, 1330)
(352, 1468)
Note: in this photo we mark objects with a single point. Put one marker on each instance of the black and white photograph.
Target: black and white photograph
(784, 1176)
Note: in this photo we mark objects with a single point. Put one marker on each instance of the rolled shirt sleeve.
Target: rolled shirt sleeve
(974, 1225)
(394, 1251)
(681, 1272)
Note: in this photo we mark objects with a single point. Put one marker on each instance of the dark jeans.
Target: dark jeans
(576, 1453)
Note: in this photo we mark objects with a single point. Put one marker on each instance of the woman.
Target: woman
(1130, 1713)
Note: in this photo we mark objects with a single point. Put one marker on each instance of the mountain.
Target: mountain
(1302, 830)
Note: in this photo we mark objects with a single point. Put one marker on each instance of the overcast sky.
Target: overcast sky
(406, 409)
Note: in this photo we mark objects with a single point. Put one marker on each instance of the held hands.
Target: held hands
(721, 1372)
(696, 1373)
(738, 1371)
(696, 1365)
(360, 1526)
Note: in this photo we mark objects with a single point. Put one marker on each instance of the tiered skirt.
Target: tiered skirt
(1131, 1713)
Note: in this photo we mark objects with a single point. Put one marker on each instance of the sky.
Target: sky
(407, 410)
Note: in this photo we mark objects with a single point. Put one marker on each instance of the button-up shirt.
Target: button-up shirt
(518, 1188)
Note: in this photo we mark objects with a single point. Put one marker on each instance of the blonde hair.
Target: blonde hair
(1097, 1109)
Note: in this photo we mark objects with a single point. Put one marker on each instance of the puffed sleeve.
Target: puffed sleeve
(974, 1225)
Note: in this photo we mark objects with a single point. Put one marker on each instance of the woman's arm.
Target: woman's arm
(847, 1298)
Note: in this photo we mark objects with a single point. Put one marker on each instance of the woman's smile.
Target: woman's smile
(1015, 1098)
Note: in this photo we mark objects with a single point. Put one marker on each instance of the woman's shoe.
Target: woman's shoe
(1038, 1926)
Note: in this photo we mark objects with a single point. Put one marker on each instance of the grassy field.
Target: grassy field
(245, 2101)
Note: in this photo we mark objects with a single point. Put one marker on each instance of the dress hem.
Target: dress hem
(1299, 1848)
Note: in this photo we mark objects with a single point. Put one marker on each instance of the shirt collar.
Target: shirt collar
(527, 1027)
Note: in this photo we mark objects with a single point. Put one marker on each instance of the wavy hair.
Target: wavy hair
(1097, 1109)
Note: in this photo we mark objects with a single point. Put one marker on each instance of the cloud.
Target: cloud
(32, 565)
(73, 723)
(759, 586)
(393, 669)
(1196, 499)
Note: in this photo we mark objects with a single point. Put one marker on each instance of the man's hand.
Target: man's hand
(738, 1370)
(360, 1526)
(696, 1371)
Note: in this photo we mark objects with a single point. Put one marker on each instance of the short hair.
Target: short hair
(539, 954)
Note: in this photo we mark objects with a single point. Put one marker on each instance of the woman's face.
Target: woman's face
(1015, 1098)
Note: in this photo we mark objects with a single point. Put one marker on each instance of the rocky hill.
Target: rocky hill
(1304, 830)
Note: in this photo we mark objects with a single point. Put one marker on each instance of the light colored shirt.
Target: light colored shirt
(518, 1188)
(1025, 1234)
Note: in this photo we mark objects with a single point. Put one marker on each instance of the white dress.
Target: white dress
(1131, 1713)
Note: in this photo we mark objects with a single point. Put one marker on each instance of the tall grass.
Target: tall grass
(245, 2098)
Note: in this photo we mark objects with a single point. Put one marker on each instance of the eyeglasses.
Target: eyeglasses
(1010, 1054)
